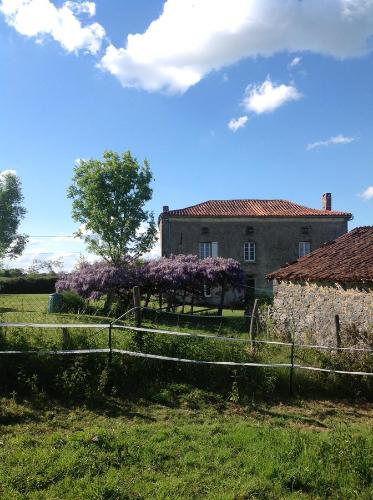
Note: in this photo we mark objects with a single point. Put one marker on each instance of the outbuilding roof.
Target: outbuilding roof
(252, 208)
(348, 258)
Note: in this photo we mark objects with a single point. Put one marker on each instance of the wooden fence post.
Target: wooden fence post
(291, 368)
(65, 338)
(337, 330)
(137, 304)
(252, 335)
(110, 339)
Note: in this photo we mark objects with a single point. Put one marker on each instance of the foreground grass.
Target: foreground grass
(194, 447)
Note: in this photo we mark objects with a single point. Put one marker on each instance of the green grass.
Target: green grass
(169, 430)
(33, 308)
(192, 447)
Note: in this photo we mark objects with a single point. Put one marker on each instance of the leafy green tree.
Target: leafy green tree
(109, 196)
(12, 212)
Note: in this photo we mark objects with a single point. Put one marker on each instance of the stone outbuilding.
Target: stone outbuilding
(326, 297)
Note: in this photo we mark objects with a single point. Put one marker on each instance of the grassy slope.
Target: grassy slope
(194, 450)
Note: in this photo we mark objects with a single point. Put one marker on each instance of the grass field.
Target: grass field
(194, 446)
(70, 428)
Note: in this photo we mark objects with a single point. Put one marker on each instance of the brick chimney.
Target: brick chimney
(166, 209)
(327, 201)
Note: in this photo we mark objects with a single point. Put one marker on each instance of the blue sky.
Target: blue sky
(72, 85)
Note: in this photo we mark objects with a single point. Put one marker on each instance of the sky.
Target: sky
(226, 99)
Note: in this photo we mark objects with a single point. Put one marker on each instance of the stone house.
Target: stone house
(261, 234)
(328, 293)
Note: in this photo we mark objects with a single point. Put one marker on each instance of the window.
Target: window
(205, 230)
(208, 249)
(305, 230)
(304, 248)
(207, 290)
(249, 251)
(249, 230)
(205, 250)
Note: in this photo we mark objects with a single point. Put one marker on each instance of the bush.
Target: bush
(29, 284)
(72, 303)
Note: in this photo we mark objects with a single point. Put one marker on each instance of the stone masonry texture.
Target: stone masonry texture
(307, 310)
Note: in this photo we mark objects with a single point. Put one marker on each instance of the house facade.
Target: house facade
(335, 280)
(261, 234)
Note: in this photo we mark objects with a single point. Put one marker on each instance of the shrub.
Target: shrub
(28, 284)
(72, 303)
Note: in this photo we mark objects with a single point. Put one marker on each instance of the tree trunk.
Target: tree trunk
(192, 303)
(184, 299)
(108, 302)
(160, 300)
(147, 299)
(222, 295)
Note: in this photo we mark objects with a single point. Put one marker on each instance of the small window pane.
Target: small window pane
(204, 250)
(249, 251)
(304, 248)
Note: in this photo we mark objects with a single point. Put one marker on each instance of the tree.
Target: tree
(108, 201)
(49, 266)
(12, 212)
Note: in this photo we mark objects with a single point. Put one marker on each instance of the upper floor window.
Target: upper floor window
(205, 230)
(249, 251)
(304, 248)
(208, 249)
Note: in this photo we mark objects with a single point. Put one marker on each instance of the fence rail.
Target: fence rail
(110, 350)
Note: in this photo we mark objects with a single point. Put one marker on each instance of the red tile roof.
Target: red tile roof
(252, 208)
(349, 258)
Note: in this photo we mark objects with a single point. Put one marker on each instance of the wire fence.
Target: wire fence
(131, 335)
(35, 308)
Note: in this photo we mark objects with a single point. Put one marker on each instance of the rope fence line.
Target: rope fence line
(103, 326)
(110, 350)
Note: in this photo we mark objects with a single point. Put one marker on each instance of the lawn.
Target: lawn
(188, 444)
(71, 428)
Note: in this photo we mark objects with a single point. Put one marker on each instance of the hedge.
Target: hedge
(28, 284)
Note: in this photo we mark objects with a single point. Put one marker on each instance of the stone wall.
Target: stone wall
(308, 310)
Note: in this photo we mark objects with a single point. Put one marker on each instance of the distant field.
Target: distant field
(200, 448)
(25, 303)
(33, 308)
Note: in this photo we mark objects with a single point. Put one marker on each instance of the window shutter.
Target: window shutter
(214, 249)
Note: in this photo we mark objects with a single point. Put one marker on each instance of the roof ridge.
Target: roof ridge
(253, 207)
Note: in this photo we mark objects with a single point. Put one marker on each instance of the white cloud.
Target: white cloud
(367, 194)
(191, 38)
(40, 18)
(237, 123)
(82, 7)
(295, 62)
(338, 139)
(43, 249)
(266, 97)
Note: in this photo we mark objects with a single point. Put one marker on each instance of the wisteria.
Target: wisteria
(170, 277)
